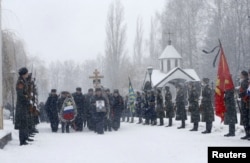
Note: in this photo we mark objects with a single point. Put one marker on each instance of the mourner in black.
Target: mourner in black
(79, 101)
(98, 107)
(88, 112)
(52, 111)
(22, 106)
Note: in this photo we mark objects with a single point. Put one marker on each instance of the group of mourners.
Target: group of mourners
(98, 110)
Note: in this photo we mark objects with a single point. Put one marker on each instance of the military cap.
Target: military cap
(244, 73)
(53, 90)
(78, 89)
(22, 71)
(107, 90)
(116, 91)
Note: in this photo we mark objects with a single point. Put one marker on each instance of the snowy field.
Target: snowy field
(133, 143)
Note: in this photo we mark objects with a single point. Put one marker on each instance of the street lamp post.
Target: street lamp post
(150, 70)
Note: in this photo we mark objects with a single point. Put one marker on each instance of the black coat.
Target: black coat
(22, 104)
(51, 107)
(79, 101)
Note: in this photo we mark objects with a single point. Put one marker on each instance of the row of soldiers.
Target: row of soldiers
(26, 114)
(96, 117)
(150, 106)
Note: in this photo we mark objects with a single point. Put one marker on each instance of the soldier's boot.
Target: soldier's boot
(195, 127)
(182, 124)
(231, 130)
(170, 121)
(127, 119)
(208, 128)
(161, 122)
(247, 133)
(132, 120)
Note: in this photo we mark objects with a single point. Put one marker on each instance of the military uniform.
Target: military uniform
(207, 110)
(22, 107)
(194, 107)
(138, 106)
(181, 114)
(108, 118)
(169, 106)
(159, 107)
(230, 114)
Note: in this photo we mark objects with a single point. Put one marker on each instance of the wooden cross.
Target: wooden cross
(96, 78)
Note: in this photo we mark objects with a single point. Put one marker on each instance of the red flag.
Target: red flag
(224, 82)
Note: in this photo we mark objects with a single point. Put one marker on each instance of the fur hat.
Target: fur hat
(53, 90)
(78, 89)
(22, 71)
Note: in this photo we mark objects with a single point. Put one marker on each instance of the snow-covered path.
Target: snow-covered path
(133, 143)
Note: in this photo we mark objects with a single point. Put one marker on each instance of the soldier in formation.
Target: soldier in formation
(22, 107)
(169, 106)
(207, 110)
(194, 106)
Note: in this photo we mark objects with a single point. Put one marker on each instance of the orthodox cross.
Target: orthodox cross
(169, 37)
(96, 78)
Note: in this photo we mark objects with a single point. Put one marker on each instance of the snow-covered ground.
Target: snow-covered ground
(133, 143)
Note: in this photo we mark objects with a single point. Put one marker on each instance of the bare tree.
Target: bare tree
(138, 43)
(115, 43)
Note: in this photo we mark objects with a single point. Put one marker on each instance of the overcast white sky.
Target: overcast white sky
(71, 29)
